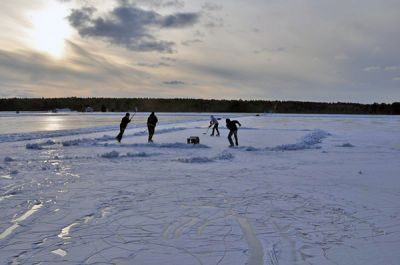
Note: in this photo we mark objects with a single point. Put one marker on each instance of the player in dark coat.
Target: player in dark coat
(151, 126)
(231, 125)
(124, 122)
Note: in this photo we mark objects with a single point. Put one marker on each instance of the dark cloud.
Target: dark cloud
(129, 26)
(190, 42)
(174, 83)
(153, 65)
(179, 20)
(177, 4)
(169, 59)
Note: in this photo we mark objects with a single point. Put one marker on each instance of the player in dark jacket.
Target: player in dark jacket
(231, 125)
(124, 122)
(151, 125)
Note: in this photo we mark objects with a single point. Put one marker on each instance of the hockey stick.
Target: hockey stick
(207, 130)
(136, 109)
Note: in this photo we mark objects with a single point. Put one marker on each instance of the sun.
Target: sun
(50, 28)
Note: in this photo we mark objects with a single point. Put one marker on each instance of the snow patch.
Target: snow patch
(225, 156)
(39, 146)
(345, 145)
(249, 148)
(196, 159)
(182, 145)
(76, 142)
(34, 146)
(140, 154)
(8, 159)
(112, 154)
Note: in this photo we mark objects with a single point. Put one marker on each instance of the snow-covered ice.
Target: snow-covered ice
(299, 189)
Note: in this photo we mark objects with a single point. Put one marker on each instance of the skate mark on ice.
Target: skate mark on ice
(176, 230)
(256, 249)
(16, 222)
(6, 177)
(185, 226)
(6, 197)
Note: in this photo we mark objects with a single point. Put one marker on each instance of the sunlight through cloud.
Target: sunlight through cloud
(50, 29)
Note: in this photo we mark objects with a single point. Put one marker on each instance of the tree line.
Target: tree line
(194, 105)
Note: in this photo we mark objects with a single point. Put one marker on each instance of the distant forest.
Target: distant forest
(194, 105)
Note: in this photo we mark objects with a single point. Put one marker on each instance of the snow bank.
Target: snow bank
(112, 154)
(115, 154)
(34, 146)
(95, 141)
(309, 141)
(225, 156)
(201, 159)
(141, 154)
(8, 159)
(196, 159)
(182, 145)
(345, 145)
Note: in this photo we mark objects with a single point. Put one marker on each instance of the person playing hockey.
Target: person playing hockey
(231, 125)
(124, 122)
(151, 126)
(214, 125)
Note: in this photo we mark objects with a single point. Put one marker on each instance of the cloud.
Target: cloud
(169, 59)
(373, 68)
(341, 57)
(391, 68)
(174, 83)
(157, 3)
(190, 42)
(154, 65)
(129, 26)
(211, 6)
(397, 78)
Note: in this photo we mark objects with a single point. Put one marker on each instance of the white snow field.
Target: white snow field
(299, 189)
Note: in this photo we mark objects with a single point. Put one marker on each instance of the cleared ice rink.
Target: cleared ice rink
(299, 189)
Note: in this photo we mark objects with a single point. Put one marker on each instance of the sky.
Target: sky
(308, 50)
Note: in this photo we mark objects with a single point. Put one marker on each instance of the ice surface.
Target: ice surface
(299, 189)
